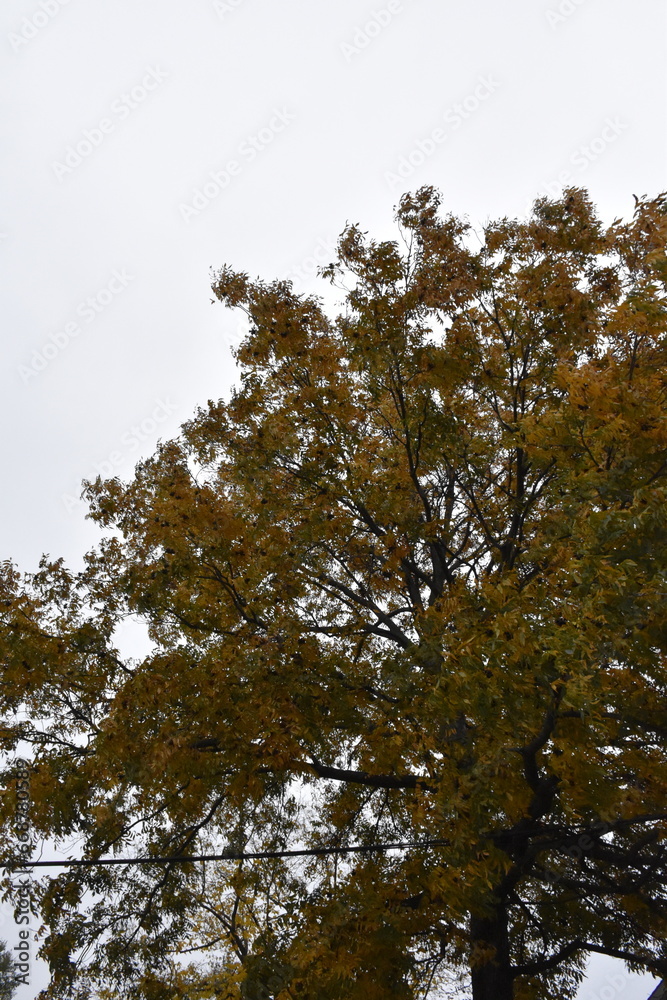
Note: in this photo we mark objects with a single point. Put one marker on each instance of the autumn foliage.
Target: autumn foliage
(407, 584)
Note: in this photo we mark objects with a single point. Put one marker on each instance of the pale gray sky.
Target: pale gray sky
(147, 141)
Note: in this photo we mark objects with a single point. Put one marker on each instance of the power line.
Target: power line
(228, 855)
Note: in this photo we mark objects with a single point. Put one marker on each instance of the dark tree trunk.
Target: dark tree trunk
(492, 980)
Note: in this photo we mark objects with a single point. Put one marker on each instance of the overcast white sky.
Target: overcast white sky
(145, 141)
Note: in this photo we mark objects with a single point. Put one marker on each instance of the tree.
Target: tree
(406, 585)
(8, 983)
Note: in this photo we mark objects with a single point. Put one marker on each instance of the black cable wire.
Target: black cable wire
(227, 855)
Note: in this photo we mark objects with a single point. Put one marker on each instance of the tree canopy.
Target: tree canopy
(8, 980)
(406, 585)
